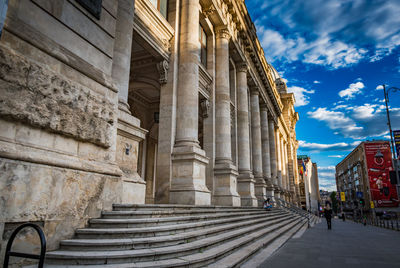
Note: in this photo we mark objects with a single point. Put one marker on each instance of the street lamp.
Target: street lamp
(386, 93)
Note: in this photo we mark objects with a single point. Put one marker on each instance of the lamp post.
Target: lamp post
(386, 93)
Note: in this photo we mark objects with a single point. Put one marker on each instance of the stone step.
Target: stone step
(159, 241)
(170, 213)
(148, 222)
(269, 244)
(160, 230)
(170, 207)
(186, 251)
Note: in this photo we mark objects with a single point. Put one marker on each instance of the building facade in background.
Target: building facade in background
(308, 184)
(364, 177)
(137, 102)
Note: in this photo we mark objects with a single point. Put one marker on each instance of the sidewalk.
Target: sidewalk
(348, 244)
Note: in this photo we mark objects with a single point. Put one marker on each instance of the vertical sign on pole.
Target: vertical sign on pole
(342, 196)
(396, 135)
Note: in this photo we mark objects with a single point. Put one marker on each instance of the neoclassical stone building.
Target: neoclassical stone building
(145, 101)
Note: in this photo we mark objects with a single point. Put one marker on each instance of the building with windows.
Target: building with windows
(133, 102)
(364, 177)
(308, 184)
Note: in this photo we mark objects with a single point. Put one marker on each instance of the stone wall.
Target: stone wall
(58, 199)
(35, 95)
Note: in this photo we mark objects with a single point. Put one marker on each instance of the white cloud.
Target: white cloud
(322, 51)
(326, 174)
(317, 82)
(365, 111)
(336, 156)
(340, 146)
(300, 95)
(341, 106)
(327, 168)
(379, 87)
(327, 32)
(358, 122)
(352, 90)
(336, 121)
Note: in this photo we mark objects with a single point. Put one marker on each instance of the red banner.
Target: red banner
(379, 163)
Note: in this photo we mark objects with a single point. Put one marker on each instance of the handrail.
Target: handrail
(39, 257)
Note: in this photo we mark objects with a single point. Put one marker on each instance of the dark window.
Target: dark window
(161, 6)
(203, 46)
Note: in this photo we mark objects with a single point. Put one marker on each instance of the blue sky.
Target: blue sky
(334, 54)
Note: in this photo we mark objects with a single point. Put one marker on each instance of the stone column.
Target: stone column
(284, 169)
(122, 51)
(260, 186)
(225, 172)
(189, 161)
(266, 158)
(278, 191)
(272, 148)
(246, 179)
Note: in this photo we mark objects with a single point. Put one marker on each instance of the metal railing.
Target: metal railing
(293, 208)
(39, 257)
(387, 224)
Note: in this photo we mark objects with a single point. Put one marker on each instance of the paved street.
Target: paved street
(347, 245)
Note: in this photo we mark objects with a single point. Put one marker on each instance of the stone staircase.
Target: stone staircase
(176, 236)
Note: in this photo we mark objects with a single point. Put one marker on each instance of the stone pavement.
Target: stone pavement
(348, 244)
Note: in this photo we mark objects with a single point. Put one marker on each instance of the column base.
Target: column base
(225, 193)
(270, 193)
(129, 134)
(246, 190)
(261, 192)
(133, 190)
(188, 183)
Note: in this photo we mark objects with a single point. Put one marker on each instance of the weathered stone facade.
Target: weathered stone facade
(138, 106)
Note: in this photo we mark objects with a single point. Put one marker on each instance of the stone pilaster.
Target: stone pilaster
(260, 185)
(246, 179)
(129, 133)
(266, 158)
(188, 159)
(122, 51)
(273, 159)
(225, 172)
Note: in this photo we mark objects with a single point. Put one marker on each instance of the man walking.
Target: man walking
(328, 215)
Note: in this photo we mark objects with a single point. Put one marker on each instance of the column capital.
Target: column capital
(223, 32)
(254, 90)
(264, 107)
(242, 67)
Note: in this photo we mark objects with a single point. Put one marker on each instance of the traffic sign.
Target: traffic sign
(372, 204)
(360, 194)
(342, 196)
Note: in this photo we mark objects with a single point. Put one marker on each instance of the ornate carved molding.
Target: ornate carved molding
(209, 11)
(162, 68)
(242, 67)
(205, 108)
(223, 33)
(254, 90)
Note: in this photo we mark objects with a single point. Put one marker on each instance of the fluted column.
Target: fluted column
(246, 179)
(188, 159)
(285, 170)
(279, 164)
(272, 148)
(266, 155)
(260, 186)
(225, 172)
